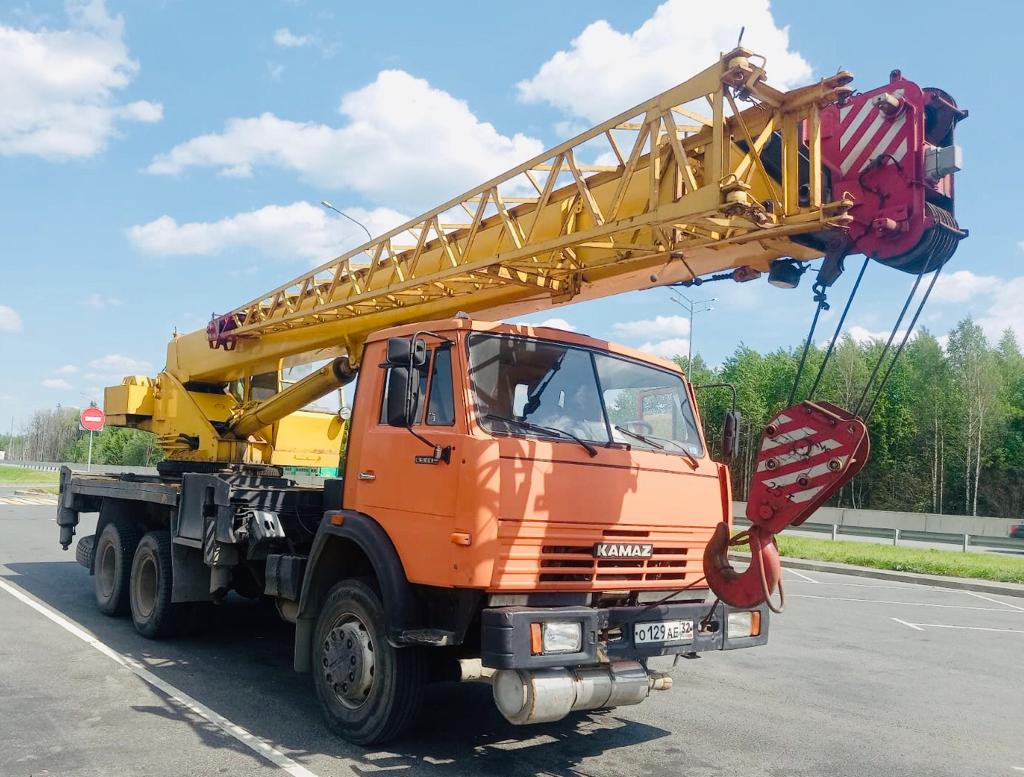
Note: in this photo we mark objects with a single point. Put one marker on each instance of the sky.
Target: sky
(163, 161)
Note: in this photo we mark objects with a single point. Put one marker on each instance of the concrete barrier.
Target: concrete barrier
(909, 522)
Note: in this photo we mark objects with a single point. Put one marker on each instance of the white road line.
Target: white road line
(995, 601)
(913, 626)
(801, 575)
(966, 628)
(917, 589)
(251, 741)
(909, 604)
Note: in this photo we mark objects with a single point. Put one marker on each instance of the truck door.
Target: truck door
(390, 473)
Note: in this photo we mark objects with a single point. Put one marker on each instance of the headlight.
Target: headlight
(557, 637)
(743, 624)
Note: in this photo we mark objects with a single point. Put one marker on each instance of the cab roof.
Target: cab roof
(444, 325)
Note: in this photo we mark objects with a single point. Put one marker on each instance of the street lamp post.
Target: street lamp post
(328, 205)
(691, 306)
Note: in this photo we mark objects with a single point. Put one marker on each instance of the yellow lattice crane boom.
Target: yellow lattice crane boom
(720, 173)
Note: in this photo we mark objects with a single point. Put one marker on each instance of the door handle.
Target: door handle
(366, 476)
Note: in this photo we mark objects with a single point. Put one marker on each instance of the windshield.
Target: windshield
(545, 389)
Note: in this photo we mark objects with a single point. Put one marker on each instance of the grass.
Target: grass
(19, 475)
(950, 563)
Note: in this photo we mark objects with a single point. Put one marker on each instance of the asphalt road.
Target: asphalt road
(860, 678)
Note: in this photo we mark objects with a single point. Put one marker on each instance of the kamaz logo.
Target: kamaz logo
(623, 550)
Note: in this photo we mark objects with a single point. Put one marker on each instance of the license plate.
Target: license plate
(662, 631)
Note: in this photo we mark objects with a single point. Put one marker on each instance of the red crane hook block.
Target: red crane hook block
(808, 452)
(753, 585)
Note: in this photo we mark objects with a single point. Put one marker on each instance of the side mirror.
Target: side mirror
(407, 356)
(730, 436)
(402, 396)
(406, 352)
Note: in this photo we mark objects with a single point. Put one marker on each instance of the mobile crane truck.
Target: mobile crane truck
(520, 503)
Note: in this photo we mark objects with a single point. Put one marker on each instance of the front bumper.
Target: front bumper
(505, 633)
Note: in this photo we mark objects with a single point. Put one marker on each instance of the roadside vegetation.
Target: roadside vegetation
(950, 563)
(17, 475)
(947, 432)
(55, 435)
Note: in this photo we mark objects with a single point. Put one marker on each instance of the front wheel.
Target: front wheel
(369, 690)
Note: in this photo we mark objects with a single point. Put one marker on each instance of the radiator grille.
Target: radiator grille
(542, 556)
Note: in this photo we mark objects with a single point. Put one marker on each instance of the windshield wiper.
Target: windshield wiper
(548, 429)
(684, 450)
(640, 437)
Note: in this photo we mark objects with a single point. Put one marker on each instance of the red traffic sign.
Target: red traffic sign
(92, 419)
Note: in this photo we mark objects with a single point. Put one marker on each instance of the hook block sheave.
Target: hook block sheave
(808, 452)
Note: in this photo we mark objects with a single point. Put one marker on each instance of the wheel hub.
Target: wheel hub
(105, 570)
(347, 658)
(145, 587)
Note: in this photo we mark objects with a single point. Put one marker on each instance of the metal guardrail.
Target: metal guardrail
(50, 466)
(894, 535)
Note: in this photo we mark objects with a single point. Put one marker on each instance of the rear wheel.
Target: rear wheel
(112, 565)
(369, 690)
(153, 613)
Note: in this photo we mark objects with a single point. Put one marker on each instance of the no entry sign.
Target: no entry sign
(92, 419)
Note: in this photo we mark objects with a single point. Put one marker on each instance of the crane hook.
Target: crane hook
(757, 582)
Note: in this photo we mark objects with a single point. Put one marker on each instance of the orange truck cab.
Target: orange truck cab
(545, 499)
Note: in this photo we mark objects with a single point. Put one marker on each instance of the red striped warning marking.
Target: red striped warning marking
(866, 133)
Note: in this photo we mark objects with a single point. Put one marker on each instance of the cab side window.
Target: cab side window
(419, 404)
(441, 405)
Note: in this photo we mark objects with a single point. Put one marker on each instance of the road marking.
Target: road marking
(913, 626)
(27, 500)
(251, 741)
(994, 601)
(965, 628)
(908, 604)
(918, 589)
(801, 575)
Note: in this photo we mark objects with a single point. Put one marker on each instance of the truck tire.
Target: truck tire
(369, 690)
(153, 613)
(112, 565)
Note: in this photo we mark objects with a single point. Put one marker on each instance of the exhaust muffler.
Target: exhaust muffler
(545, 695)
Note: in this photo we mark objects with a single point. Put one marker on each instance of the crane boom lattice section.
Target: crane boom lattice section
(678, 180)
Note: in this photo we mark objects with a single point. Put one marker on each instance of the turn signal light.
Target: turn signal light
(743, 624)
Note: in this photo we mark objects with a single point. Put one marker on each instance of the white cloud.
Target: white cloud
(404, 143)
(56, 384)
(67, 369)
(10, 321)
(98, 301)
(668, 348)
(660, 326)
(278, 231)
(554, 323)
(681, 38)
(59, 85)
(1006, 309)
(116, 365)
(275, 71)
(863, 335)
(143, 111)
(963, 285)
(286, 38)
